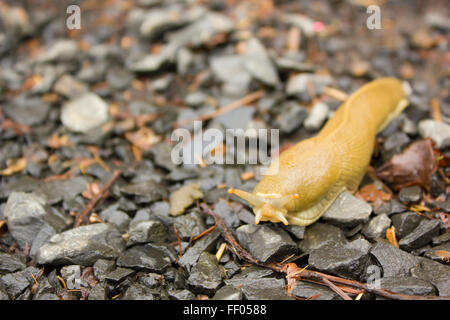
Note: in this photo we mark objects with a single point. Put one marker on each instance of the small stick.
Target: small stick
(293, 272)
(220, 251)
(204, 233)
(234, 105)
(91, 205)
(178, 241)
(336, 289)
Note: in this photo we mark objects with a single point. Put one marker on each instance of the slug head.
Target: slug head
(265, 208)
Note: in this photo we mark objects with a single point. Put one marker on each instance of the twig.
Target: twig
(336, 289)
(178, 241)
(293, 272)
(204, 233)
(91, 205)
(234, 105)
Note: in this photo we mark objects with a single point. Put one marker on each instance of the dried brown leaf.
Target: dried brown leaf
(14, 166)
(415, 166)
(390, 236)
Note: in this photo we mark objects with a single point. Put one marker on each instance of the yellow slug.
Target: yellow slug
(312, 173)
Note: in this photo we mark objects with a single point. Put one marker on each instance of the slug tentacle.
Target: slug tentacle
(321, 167)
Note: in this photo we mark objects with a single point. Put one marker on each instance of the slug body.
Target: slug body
(310, 175)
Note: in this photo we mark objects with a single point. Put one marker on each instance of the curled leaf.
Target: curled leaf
(415, 166)
(14, 166)
(390, 236)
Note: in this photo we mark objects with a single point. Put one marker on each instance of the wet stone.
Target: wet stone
(196, 99)
(348, 211)
(83, 245)
(441, 239)
(146, 191)
(228, 293)
(410, 194)
(266, 243)
(16, 283)
(405, 222)
(190, 225)
(144, 257)
(321, 234)
(303, 289)
(138, 292)
(251, 273)
(439, 132)
(258, 63)
(421, 235)
(30, 112)
(434, 252)
(84, 113)
(265, 289)
(291, 117)
(102, 267)
(298, 85)
(119, 274)
(205, 276)
(146, 231)
(117, 217)
(434, 272)
(62, 50)
(236, 119)
(70, 87)
(394, 262)
(98, 292)
(227, 213)
(317, 116)
(396, 142)
(338, 260)
(407, 285)
(72, 276)
(205, 243)
(27, 214)
(377, 227)
(181, 294)
(297, 231)
(11, 262)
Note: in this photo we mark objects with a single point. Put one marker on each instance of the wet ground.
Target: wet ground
(92, 205)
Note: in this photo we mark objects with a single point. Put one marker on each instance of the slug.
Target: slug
(310, 175)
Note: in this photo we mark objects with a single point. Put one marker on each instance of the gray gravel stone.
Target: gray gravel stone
(190, 225)
(377, 227)
(137, 291)
(258, 63)
(317, 116)
(205, 277)
(83, 245)
(227, 213)
(405, 223)
(407, 285)
(181, 294)
(265, 289)
(433, 252)
(321, 234)
(205, 243)
(434, 272)
(395, 262)
(348, 211)
(119, 274)
(11, 263)
(102, 267)
(338, 260)
(98, 292)
(291, 117)
(297, 231)
(62, 50)
(298, 85)
(439, 132)
(228, 293)
(16, 283)
(303, 289)
(421, 235)
(84, 113)
(27, 214)
(410, 194)
(144, 257)
(146, 231)
(117, 217)
(266, 243)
